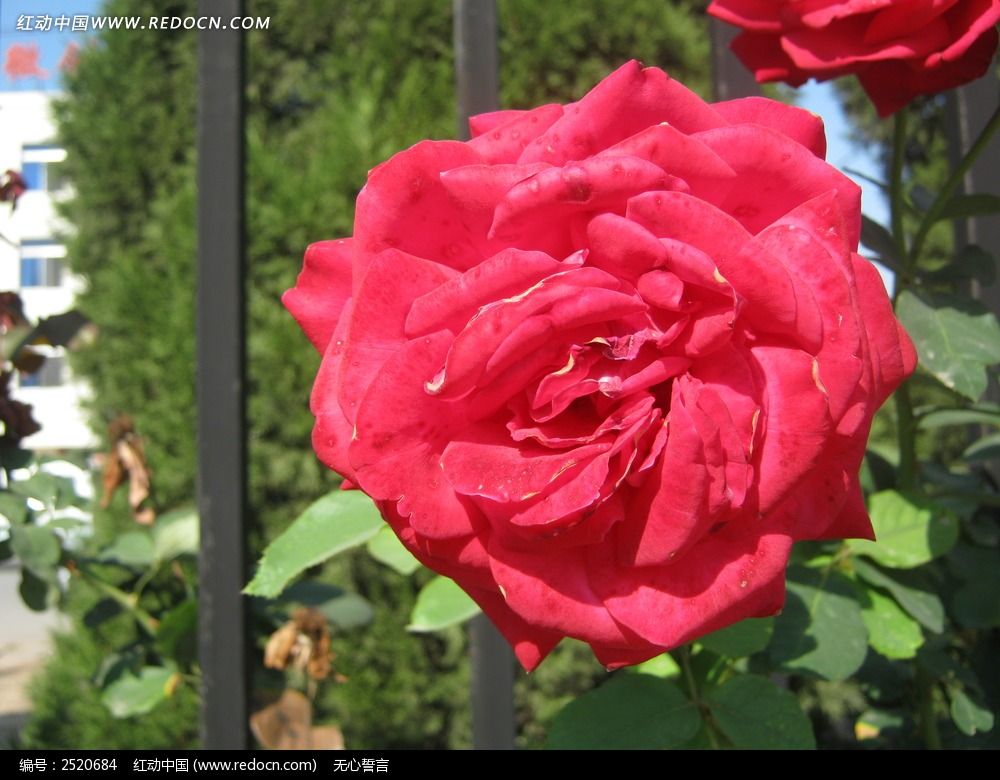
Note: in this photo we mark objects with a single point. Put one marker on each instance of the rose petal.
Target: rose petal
(504, 275)
(399, 436)
(798, 124)
(623, 104)
(732, 574)
(774, 175)
(405, 206)
(893, 356)
(321, 290)
(332, 432)
(378, 317)
(501, 136)
(797, 419)
(550, 196)
(553, 592)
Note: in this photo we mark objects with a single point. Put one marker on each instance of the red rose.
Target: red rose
(605, 362)
(898, 48)
(12, 187)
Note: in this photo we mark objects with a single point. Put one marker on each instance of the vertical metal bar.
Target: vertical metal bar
(730, 77)
(477, 74)
(222, 625)
(970, 107)
(477, 61)
(968, 110)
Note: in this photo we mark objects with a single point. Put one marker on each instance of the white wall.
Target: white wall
(25, 120)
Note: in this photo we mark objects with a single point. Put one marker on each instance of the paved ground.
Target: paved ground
(24, 645)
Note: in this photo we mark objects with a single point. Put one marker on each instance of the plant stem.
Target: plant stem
(926, 718)
(934, 213)
(906, 427)
(692, 685)
(906, 432)
(896, 188)
(125, 600)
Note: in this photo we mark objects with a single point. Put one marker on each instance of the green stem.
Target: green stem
(695, 694)
(906, 426)
(934, 213)
(144, 580)
(906, 432)
(127, 601)
(926, 718)
(896, 187)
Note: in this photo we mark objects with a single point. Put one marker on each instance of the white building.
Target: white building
(32, 262)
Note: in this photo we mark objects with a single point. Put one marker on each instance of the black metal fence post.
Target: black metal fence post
(478, 81)
(730, 77)
(970, 107)
(222, 626)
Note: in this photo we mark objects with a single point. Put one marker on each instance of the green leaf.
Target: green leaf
(343, 609)
(103, 610)
(114, 666)
(53, 491)
(740, 639)
(662, 665)
(972, 262)
(175, 534)
(891, 631)
(873, 724)
(13, 507)
(855, 173)
(133, 549)
(177, 634)
(877, 473)
(972, 416)
(910, 531)
(758, 715)
(975, 603)
(441, 603)
(348, 611)
(34, 591)
(820, 629)
(986, 448)
(936, 657)
(136, 695)
(879, 240)
(978, 204)
(628, 712)
(339, 521)
(969, 715)
(955, 338)
(386, 548)
(12, 457)
(309, 593)
(910, 589)
(37, 548)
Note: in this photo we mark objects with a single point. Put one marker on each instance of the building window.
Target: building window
(42, 263)
(41, 167)
(41, 271)
(51, 374)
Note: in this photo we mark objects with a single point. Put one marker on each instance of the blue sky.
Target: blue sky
(822, 99)
(843, 153)
(51, 44)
